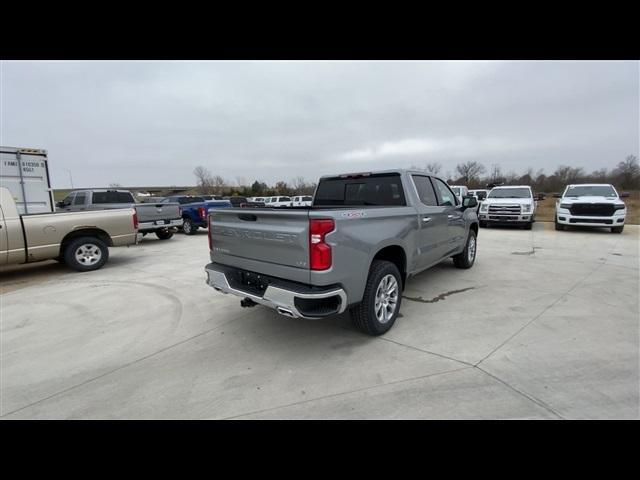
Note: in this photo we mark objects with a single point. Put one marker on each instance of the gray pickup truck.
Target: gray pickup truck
(161, 218)
(355, 247)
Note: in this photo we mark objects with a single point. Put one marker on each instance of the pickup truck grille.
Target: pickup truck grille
(592, 209)
(504, 209)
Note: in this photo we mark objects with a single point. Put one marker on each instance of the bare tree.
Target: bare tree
(470, 171)
(241, 181)
(218, 183)
(433, 168)
(204, 180)
(298, 184)
(628, 172)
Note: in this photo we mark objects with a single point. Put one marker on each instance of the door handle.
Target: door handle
(426, 219)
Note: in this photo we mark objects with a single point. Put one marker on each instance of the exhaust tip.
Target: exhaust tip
(286, 312)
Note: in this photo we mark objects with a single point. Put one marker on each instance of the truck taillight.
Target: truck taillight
(202, 212)
(319, 250)
(209, 234)
(135, 220)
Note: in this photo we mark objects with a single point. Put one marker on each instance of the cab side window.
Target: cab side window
(444, 193)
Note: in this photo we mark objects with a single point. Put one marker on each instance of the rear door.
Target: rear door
(433, 232)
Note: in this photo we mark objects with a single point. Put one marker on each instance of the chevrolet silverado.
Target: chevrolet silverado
(354, 248)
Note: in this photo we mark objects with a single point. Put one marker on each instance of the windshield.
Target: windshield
(510, 193)
(591, 191)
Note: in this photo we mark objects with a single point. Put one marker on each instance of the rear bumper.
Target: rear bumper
(152, 226)
(291, 299)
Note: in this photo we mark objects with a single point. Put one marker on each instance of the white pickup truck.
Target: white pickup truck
(509, 205)
(590, 205)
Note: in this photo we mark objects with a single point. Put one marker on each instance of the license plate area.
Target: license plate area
(252, 282)
(162, 222)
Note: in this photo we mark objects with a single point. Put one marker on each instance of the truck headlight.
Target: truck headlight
(565, 205)
(526, 208)
(618, 207)
(484, 207)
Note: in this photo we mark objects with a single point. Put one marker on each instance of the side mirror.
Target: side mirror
(557, 195)
(624, 195)
(469, 202)
(59, 204)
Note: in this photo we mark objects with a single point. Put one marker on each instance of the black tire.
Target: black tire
(528, 226)
(617, 229)
(483, 224)
(559, 226)
(188, 227)
(164, 234)
(363, 315)
(92, 243)
(462, 260)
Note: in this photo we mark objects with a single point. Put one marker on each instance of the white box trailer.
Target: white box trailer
(25, 172)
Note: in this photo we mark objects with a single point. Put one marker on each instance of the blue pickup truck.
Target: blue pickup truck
(194, 210)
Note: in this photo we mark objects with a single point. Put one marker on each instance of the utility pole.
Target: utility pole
(70, 177)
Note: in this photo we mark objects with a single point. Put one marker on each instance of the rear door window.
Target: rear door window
(370, 190)
(425, 190)
(112, 197)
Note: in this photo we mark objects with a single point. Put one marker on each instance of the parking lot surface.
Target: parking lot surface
(545, 325)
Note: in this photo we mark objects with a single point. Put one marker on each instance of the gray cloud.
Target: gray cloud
(151, 123)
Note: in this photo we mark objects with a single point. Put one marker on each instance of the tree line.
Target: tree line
(626, 175)
(208, 184)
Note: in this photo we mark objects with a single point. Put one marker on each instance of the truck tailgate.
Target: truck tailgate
(151, 212)
(266, 238)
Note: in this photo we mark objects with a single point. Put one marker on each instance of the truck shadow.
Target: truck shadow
(15, 277)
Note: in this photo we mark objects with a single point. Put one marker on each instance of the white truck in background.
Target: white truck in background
(25, 173)
(590, 205)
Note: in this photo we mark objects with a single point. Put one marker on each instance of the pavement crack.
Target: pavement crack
(531, 398)
(339, 394)
(121, 367)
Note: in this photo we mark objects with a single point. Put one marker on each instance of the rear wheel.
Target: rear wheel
(86, 253)
(188, 227)
(617, 229)
(467, 257)
(164, 234)
(380, 304)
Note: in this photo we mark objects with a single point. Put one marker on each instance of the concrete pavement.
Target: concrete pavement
(545, 325)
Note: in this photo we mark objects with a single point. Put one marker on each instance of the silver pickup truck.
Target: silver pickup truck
(355, 247)
(161, 218)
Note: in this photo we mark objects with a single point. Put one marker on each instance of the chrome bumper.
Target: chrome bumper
(280, 299)
(153, 226)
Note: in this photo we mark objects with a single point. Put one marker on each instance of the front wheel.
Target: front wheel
(617, 229)
(188, 227)
(528, 226)
(467, 257)
(164, 234)
(559, 226)
(86, 253)
(380, 304)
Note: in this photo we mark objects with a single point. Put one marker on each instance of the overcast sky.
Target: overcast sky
(151, 123)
